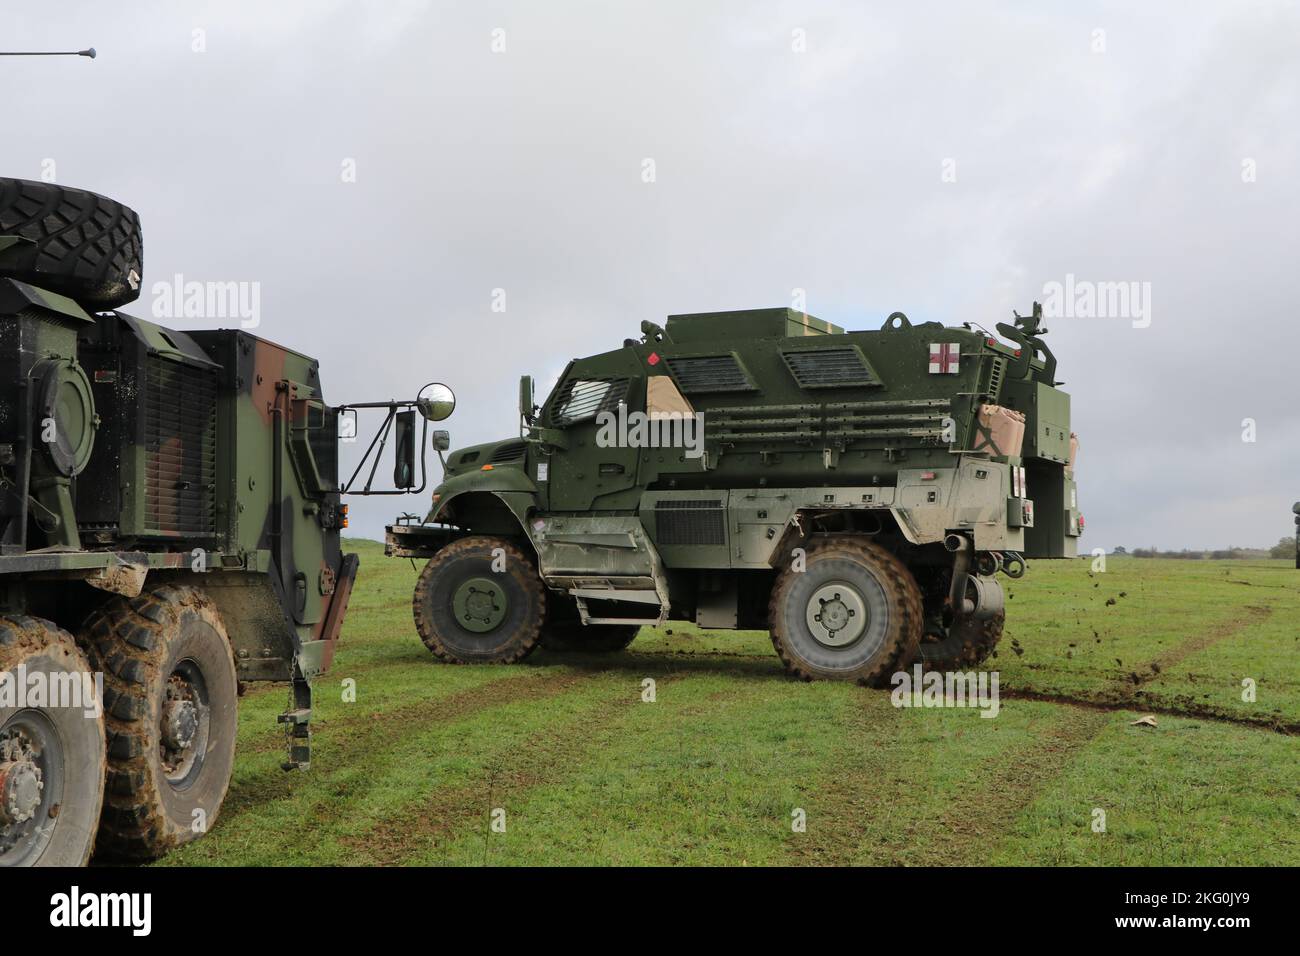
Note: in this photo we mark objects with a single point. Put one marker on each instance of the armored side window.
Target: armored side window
(830, 368)
(709, 373)
(581, 399)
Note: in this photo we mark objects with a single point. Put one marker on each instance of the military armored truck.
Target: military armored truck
(857, 494)
(169, 529)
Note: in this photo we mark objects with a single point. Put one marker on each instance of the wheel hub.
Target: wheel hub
(180, 723)
(479, 605)
(837, 615)
(20, 790)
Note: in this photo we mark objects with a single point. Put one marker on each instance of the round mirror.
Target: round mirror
(438, 404)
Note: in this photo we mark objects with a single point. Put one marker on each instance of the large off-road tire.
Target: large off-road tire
(474, 606)
(966, 644)
(51, 756)
(170, 703)
(79, 244)
(853, 613)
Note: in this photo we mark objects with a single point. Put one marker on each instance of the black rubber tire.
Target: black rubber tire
(574, 637)
(967, 644)
(514, 638)
(81, 244)
(140, 643)
(894, 628)
(73, 774)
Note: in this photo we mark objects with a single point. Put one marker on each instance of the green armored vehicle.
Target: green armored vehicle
(169, 529)
(854, 493)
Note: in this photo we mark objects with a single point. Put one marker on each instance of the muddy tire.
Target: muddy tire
(170, 704)
(78, 243)
(468, 613)
(573, 637)
(854, 613)
(51, 757)
(967, 644)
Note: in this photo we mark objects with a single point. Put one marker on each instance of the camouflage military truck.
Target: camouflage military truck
(169, 518)
(854, 493)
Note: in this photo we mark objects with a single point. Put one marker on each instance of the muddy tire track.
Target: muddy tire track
(1001, 788)
(352, 738)
(961, 831)
(542, 759)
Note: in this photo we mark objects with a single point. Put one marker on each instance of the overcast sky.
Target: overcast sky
(947, 160)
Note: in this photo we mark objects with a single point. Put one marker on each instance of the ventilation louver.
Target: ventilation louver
(829, 368)
(583, 398)
(690, 522)
(509, 451)
(180, 423)
(709, 373)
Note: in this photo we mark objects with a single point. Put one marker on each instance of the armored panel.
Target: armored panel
(1048, 432)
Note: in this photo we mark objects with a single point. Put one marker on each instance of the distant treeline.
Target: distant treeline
(1283, 549)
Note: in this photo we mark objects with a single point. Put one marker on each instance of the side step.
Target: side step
(646, 598)
(605, 558)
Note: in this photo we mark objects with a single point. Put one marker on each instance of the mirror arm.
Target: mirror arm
(383, 443)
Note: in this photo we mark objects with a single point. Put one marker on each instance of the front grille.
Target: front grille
(709, 373)
(828, 368)
(690, 522)
(180, 424)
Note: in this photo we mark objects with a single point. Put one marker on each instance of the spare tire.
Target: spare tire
(78, 243)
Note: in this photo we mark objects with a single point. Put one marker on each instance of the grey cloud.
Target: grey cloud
(776, 170)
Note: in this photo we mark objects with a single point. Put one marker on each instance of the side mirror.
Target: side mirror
(404, 437)
(441, 440)
(348, 425)
(438, 404)
(527, 410)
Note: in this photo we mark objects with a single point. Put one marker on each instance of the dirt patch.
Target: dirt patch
(1173, 705)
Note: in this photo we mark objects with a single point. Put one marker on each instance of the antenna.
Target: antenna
(89, 53)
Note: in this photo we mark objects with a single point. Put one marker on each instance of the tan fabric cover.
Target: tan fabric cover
(662, 398)
(1074, 452)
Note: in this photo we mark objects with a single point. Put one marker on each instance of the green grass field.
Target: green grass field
(717, 769)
